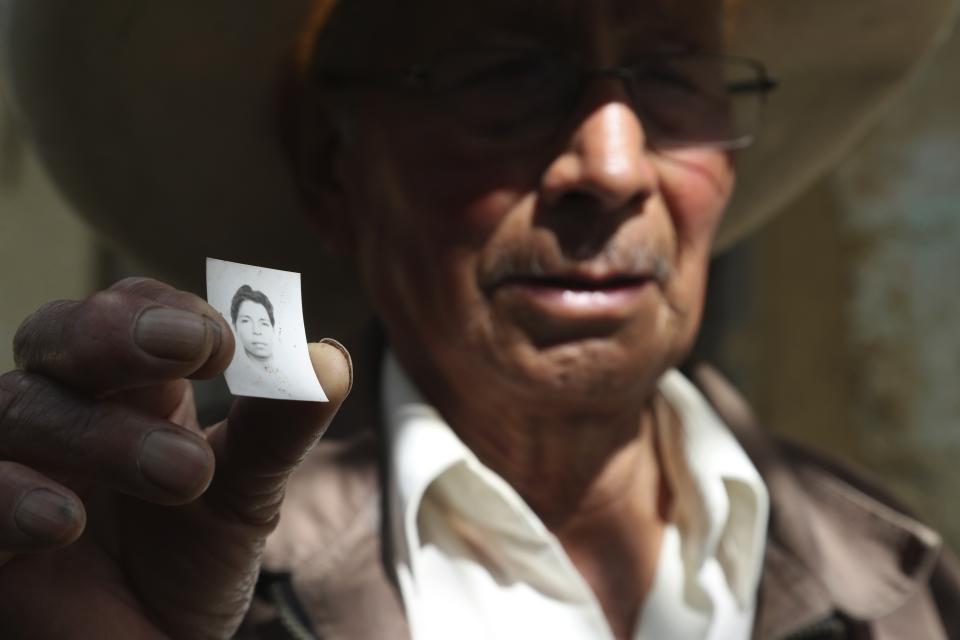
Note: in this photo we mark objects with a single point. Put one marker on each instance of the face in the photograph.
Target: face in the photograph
(255, 330)
(252, 315)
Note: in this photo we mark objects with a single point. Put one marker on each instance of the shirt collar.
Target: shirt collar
(422, 448)
(722, 502)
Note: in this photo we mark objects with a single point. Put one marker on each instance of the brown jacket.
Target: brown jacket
(842, 560)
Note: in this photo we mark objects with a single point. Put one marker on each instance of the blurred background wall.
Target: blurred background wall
(839, 320)
(46, 252)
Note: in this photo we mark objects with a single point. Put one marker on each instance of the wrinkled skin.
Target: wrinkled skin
(135, 550)
(436, 215)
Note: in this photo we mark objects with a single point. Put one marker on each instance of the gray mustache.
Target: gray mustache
(621, 262)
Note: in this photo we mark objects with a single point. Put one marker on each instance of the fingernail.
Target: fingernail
(172, 334)
(346, 354)
(173, 462)
(44, 514)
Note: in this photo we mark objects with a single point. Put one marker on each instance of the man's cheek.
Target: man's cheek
(697, 216)
(697, 189)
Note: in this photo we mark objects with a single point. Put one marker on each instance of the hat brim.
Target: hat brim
(840, 64)
(161, 128)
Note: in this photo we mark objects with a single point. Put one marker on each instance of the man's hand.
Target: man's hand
(119, 517)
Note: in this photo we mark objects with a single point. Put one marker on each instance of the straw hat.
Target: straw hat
(158, 119)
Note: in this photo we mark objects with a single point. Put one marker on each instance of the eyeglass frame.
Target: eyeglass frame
(417, 77)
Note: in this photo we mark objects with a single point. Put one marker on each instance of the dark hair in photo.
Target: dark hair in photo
(246, 292)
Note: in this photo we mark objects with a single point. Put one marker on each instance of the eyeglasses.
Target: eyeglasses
(682, 99)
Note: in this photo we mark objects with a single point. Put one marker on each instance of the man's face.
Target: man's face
(255, 330)
(571, 271)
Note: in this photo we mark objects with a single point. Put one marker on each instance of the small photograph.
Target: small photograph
(264, 309)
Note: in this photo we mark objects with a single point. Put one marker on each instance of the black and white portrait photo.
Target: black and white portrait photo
(263, 307)
(251, 314)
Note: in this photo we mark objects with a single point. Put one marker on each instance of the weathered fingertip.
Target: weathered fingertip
(49, 517)
(334, 368)
(221, 345)
(177, 462)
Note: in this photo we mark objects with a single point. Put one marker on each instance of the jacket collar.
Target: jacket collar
(836, 543)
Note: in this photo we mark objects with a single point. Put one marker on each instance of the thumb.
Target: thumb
(262, 441)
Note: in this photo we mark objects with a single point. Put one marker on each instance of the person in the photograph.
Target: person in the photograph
(252, 315)
(257, 369)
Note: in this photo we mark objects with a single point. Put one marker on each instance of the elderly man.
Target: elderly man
(531, 193)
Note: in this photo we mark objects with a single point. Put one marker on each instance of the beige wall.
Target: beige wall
(45, 252)
(856, 322)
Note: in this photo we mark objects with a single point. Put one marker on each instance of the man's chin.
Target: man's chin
(547, 336)
(602, 369)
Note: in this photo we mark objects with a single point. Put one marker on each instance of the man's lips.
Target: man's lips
(576, 296)
(576, 282)
(558, 298)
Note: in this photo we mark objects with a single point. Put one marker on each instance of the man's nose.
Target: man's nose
(604, 163)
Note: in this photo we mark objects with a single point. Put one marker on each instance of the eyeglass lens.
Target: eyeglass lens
(686, 99)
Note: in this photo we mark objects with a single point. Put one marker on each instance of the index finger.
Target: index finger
(137, 333)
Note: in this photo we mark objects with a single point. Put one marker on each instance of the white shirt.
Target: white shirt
(475, 562)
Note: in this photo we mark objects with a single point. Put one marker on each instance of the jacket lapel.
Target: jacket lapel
(836, 544)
